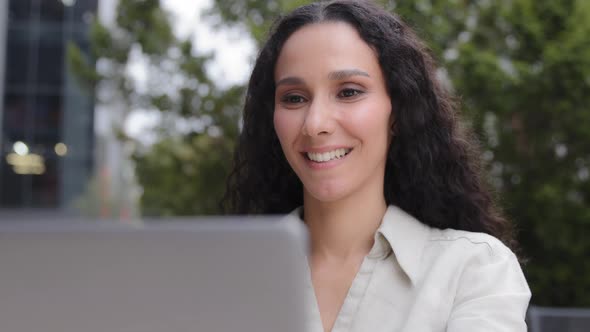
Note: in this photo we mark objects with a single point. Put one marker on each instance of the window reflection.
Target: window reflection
(52, 10)
(83, 10)
(17, 59)
(45, 191)
(47, 121)
(19, 10)
(16, 108)
(11, 192)
(50, 55)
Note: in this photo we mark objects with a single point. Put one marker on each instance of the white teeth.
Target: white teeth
(327, 156)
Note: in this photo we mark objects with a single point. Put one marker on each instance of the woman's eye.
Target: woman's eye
(293, 99)
(349, 93)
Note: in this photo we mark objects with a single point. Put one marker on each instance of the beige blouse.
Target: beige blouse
(418, 278)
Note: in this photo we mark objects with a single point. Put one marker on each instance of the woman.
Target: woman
(345, 117)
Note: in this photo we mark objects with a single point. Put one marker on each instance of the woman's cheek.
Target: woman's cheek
(372, 117)
(284, 123)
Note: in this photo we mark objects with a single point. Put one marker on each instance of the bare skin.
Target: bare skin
(331, 281)
(339, 243)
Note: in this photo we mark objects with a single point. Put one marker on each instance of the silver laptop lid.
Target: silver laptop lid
(204, 275)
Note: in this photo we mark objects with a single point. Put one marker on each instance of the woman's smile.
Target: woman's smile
(327, 159)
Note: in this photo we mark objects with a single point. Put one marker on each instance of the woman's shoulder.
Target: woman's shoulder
(469, 243)
(488, 288)
(401, 227)
(478, 264)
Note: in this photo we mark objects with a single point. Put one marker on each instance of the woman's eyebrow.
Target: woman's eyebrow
(291, 80)
(343, 74)
(335, 76)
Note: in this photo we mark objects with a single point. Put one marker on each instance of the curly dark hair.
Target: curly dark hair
(433, 169)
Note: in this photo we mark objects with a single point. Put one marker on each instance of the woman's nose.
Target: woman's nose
(318, 119)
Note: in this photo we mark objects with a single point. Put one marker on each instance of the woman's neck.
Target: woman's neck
(345, 228)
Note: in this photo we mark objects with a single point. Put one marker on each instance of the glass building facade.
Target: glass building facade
(47, 134)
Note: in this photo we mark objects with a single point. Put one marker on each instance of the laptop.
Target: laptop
(210, 275)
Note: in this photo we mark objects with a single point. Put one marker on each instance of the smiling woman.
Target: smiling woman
(347, 127)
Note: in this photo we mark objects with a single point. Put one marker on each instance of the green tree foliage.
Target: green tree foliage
(522, 71)
(184, 172)
(180, 170)
(520, 67)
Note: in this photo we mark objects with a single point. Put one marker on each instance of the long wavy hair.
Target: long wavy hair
(433, 169)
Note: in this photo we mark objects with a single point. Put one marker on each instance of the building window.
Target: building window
(19, 10)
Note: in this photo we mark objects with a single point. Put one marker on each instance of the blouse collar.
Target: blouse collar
(401, 234)
(406, 237)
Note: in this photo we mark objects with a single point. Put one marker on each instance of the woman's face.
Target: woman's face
(332, 111)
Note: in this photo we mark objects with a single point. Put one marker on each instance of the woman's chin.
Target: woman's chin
(326, 194)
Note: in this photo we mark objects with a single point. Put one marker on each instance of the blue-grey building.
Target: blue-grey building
(46, 119)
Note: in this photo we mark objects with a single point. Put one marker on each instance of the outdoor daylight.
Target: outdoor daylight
(294, 165)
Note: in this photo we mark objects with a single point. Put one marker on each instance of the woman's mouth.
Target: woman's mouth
(327, 156)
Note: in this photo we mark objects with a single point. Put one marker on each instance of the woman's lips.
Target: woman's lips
(326, 159)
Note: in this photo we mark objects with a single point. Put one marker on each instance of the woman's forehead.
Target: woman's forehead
(325, 48)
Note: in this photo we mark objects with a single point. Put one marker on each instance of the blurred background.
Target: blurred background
(118, 109)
